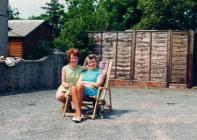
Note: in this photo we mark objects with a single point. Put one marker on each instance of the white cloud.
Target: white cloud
(28, 8)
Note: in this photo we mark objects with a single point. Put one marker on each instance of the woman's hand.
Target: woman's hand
(101, 77)
(64, 79)
(88, 84)
(66, 85)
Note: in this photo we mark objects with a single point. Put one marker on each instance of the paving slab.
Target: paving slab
(138, 114)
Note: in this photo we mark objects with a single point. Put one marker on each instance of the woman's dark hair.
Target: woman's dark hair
(72, 51)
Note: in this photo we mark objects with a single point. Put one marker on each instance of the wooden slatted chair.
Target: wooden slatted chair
(97, 103)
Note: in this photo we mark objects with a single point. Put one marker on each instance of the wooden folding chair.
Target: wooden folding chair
(97, 103)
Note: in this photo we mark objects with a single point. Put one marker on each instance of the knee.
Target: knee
(80, 86)
(59, 95)
(73, 90)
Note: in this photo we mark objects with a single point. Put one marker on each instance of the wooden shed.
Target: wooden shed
(26, 35)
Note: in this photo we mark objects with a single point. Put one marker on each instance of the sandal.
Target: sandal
(77, 119)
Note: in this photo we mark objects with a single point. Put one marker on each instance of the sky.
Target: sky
(27, 8)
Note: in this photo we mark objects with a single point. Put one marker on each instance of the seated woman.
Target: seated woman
(87, 85)
(70, 75)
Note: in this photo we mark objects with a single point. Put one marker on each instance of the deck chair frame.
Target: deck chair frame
(97, 102)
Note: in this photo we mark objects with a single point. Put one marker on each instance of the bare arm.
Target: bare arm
(96, 84)
(64, 79)
(85, 83)
(101, 78)
(80, 79)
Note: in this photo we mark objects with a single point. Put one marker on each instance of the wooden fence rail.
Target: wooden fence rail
(147, 57)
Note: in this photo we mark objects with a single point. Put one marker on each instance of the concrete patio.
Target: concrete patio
(138, 114)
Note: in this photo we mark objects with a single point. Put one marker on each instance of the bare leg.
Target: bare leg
(80, 93)
(60, 96)
(76, 101)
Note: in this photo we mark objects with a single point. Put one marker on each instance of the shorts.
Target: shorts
(64, 90)
(89, 91)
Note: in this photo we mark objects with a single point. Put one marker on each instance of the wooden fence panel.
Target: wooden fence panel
(159, 56)
(142, 53)
(179, 57)
(123, 65)
(109, 47)
(97, 37)
(148, 56)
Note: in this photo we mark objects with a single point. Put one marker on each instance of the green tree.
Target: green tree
(13, 13)
(78, 19)
(83, 10)
(121, 14)
(54, 14)
(94, 15)
(167, 14)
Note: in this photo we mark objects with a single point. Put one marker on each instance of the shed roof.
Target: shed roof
(21, 28)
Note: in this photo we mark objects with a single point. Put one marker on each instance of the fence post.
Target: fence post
(190, 59)
(169, 58)
(116, 54)
(150, 56)
(133, 55)
(101, 46)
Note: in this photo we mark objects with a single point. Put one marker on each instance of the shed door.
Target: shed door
(15, 47)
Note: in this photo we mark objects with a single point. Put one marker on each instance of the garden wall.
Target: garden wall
(29, 75)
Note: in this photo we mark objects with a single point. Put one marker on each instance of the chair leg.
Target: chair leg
(95, 109)
(101, 111)
(66, 105)
(110, 100)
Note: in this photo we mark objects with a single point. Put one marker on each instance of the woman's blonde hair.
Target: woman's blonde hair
(91, 56)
